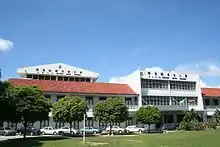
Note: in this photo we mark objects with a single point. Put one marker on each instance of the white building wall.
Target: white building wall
(134, 81)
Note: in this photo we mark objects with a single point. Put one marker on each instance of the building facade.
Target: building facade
(60, 80)
(172, 92)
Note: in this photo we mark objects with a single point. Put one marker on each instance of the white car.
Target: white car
(135, 129)
(66, 130)
(116, 129)
(48, 131)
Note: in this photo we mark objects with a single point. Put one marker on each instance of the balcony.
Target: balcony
(171, 107)
(211, 107)
(132, 107)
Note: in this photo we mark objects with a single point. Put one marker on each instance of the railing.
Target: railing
(212, 107)
(132, 107)
(90, 107)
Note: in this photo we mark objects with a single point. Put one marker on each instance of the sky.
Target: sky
(113, 37)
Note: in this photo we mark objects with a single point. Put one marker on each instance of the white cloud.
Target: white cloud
(203, 68)
(5, 45)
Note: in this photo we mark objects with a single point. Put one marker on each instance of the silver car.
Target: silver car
(7, 131)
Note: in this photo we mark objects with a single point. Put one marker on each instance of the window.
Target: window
(56, 70)
(186, 76)
(168, 74)
(161, 74)
(60, 78)
(178, 100)
(65, 78)
(82, 79)
(41, 77)
(155, 73)
(77, 79)
(89, 101)
(168, 118)
(128, 101)
(174, 75)
(148, 73)
(80, 71)
(35, 76)
(47, 96)
(47, 77)
(62, 70)
(102, 98)
(207, 102)
(102, 125)
(49, 70)
(183, 85)
(29, 76)
(60, 97)
(76, 124)
(215, 102)
(43, 70)
(87, 79)
(129, 121)
(68, 71)
(154, 84)
(71, 79)
(37, 69)
(155, 100)
(53, 77)
(89, 122)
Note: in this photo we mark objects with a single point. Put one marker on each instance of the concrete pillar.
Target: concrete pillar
(174, 118)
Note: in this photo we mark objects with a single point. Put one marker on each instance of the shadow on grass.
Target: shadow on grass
(29, 142)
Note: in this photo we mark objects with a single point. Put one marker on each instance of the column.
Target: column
(174, 118)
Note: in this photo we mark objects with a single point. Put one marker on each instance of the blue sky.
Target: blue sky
(112, 37)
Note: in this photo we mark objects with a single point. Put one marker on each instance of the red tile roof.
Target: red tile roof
(212, 92)
(76, 87)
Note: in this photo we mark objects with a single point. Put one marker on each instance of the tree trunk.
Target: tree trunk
(25, 129)
(148, 128)
(70, 128)
(110, 129)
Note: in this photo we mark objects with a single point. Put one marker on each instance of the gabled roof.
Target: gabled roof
(58, 69)
(212, 92)
(76, 87)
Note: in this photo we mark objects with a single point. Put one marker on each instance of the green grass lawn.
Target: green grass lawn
(177, 139)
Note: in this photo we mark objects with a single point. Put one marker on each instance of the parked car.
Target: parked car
(116, 129)
(135, 129)
(7, 131)
(90, 130)
(29, 131)
(66, 130)
(49, 131)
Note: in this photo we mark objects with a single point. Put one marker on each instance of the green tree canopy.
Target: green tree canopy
(30, 104)
(69, 109)
(216, 116)
(190, 120)
(111, 111)
(6, 103)
(148, 115)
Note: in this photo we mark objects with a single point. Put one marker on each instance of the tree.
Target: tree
(111, 111)
(69, 109)
(6, 103)
(216, 116)
(148, 115)
(190, 121)
(30, 104)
